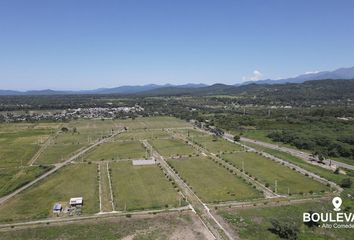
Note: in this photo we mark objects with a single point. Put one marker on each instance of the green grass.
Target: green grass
(37, 201)
(65, 145)
(211, 182)
(105, 191)
(117, 150)
(153, 227)
(217, 145)
(141, 187)
(18, 147)
(325, 173)
(142, 134)
(13, 178)
(254, 223)
(154, 123)
(172, 147)
(268, 171)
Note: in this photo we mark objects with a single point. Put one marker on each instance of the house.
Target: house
(57, 208)
(77, 201)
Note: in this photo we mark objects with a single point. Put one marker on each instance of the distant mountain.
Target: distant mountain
(341, 73)
(116, 90)
(318, 91)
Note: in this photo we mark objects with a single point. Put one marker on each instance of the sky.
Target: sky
(72, 44)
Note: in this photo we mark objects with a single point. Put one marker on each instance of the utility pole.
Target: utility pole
(276, 186)
(243, 166)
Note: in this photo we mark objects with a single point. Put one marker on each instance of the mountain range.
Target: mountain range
(341, 73)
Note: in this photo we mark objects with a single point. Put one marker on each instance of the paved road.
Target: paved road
(297, 153)
(294, 152)
(56, 167)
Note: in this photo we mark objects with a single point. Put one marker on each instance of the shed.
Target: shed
(76, 201)
(57, 208)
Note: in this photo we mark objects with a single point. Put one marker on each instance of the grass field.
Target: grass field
(211, 182)
(141, 187)
(172, 147)
(105, 191)
(213, 144)
(19, 142)
(80, 134)
(160, 227)
(268, 171)
(37, 202)
(142, 134)
(254, 224)
(325, 173)
(154, 123)
(13, 178)
(117, 150)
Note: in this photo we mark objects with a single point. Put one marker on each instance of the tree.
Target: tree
(284, 229)
(346, 183)
(64, 129)
(237, 138)
(311, 223)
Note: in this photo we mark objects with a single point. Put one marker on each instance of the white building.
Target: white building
(76, 201)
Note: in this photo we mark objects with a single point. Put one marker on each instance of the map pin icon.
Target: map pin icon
(337, 202)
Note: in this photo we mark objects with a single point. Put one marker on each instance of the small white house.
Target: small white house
(76, 201)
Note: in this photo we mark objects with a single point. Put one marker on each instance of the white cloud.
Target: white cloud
(257, 75)
(312, 72)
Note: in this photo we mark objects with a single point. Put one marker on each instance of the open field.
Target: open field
(268, 172)
(105, 190)
(255, 223)
(13, 178)
(117, 150)
(172, 147)
(325, 173)
(212, 143)
(19, 142)
(154, 123)
(80, 133)
(37, 202)
(140, 134)
(211, 182)
(141, 187)
(162, 226)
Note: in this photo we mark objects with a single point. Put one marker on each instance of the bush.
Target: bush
(346, 183)
(284, 229)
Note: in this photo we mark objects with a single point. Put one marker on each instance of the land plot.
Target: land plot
(78, 134)
(269, 172)
(211, 182)
(13, 178)
(185, 225)
(117, 150)
(141, 187)
(172, 147)
(76, 180)
(142, 134)
(105, 190)
(18, 147)
(255, 223)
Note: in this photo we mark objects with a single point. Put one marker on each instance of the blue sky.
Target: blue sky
(89, 44)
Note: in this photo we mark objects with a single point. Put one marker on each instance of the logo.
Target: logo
(330, 219)
(337, 202)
